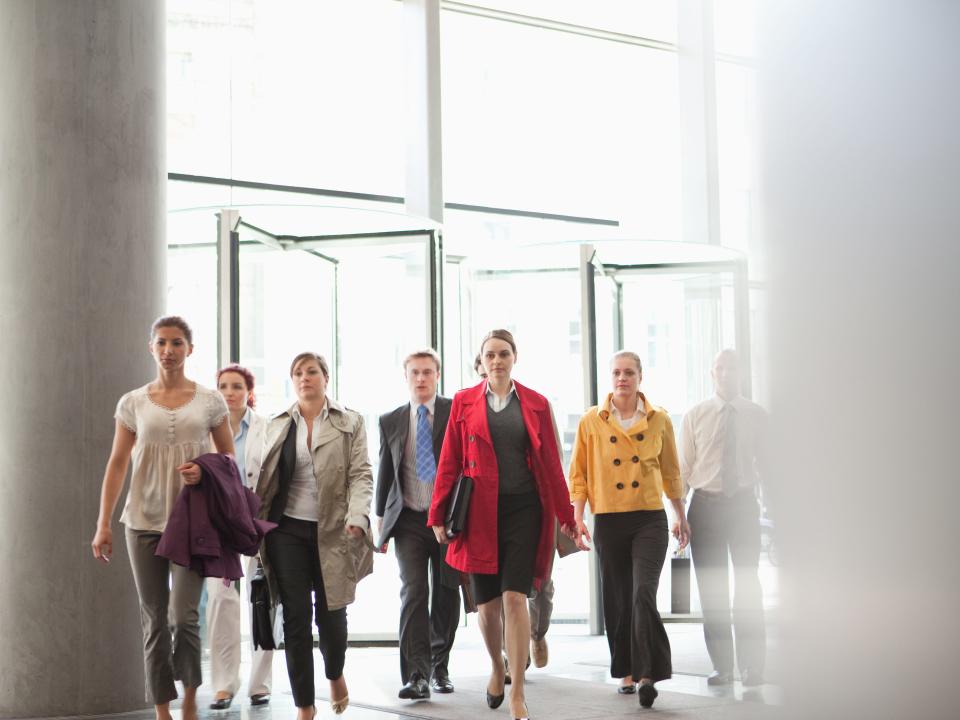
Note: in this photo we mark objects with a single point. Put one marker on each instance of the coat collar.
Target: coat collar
(474, 401)
(604, 411)
(336, 413)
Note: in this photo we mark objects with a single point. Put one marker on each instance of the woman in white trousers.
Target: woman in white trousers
(225, 606)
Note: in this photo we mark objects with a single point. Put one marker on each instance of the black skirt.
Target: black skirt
(518, 535)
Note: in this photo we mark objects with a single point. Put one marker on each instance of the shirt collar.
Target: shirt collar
(720, 402)
(295, 411)
(607, 409)
(512, 390)
(244, 424)
(431, 404)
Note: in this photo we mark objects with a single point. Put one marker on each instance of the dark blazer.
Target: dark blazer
(394, 427)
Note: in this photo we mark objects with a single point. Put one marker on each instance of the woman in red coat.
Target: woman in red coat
(501, 434)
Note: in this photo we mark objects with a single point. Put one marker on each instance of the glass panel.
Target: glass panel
(561, 123)
(287, 306)
(382, 303)
(295, 92)
(677, 323)
(655, 19)
(735, 154)
(733, 26)
(192, 294)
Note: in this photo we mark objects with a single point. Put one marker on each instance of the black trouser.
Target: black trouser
(295, 559)
(631, 548)
(429, 610)
(720, 525)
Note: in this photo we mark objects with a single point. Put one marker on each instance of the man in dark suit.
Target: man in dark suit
(410, 440)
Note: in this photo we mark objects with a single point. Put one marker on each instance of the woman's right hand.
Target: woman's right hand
(441, 533)
(102, 544)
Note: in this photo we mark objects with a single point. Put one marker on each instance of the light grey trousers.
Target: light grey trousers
(170, 618)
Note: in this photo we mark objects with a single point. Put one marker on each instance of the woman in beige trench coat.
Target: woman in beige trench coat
(316, 484)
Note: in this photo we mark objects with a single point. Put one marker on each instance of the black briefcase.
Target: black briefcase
(456, 520)
(267, 619)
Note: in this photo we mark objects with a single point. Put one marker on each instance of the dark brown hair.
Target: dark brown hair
(499, 334)
(172, 321)
(316, 357)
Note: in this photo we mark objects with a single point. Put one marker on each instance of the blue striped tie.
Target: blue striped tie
(426, 463)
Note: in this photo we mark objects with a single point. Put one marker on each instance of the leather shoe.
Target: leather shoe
(540, 653)
(719, 678)
(751, 678)
(260, 699)
(627, 689)
(221, 703)
(494, 701)
(648, 693)
(441, 683)
(415, 689)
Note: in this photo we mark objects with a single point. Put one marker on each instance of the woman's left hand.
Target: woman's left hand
(681, 531)
(354, 531)
(191, 473)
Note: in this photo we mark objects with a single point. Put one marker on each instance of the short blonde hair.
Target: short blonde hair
(425, 353)
(627, 354)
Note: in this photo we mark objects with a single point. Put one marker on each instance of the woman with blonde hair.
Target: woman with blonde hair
(316, 483)
(624, 461)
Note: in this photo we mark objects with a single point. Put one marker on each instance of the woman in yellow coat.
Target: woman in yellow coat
(624, 461)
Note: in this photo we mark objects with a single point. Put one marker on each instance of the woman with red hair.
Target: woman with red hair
(236, 384)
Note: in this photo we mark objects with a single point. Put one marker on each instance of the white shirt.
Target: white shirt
(702, 438)
(302, 499)
(627, 422)
(416, 494)
(495, 402)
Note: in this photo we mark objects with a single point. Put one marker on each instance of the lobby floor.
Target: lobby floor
(573, 686)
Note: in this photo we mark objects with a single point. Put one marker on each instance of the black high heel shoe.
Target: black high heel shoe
(494, 701)
(648, 693)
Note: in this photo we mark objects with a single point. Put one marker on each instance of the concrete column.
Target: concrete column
(424, 191)
(860, 110)
(82, 273)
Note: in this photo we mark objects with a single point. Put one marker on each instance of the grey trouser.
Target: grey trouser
(541, 608)
(164, 611)
(429, 610)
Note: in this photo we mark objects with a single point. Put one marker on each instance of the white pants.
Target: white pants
(224, 609)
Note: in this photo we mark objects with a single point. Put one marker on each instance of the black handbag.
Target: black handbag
(456, 519)
(267, 619)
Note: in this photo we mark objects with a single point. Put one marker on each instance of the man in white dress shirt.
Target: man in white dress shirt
(721, 453)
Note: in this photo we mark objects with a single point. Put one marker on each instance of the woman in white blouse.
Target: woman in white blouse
(162, 426)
